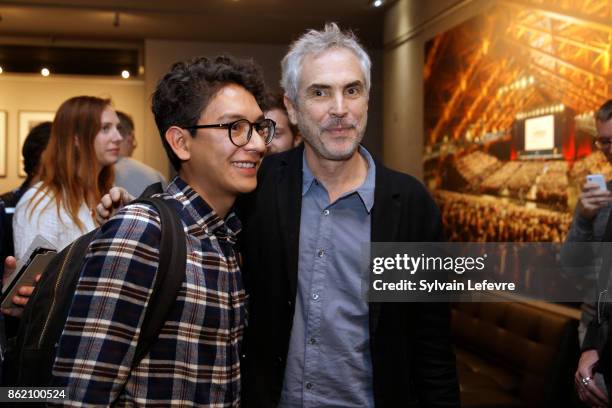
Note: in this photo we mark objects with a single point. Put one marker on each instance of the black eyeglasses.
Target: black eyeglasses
(240, 130)
(602, 142)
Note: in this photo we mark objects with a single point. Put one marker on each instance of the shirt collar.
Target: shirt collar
(365, 191)
(203, 214)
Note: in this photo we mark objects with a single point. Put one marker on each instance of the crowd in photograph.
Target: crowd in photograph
(469, 218)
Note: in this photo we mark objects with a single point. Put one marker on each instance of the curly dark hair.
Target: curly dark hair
(186, 90)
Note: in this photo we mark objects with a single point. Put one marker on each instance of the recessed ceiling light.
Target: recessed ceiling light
(377, 3)
(45, 72)
(125, 74)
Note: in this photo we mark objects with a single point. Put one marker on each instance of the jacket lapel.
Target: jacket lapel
(289, 201)
(385, 224)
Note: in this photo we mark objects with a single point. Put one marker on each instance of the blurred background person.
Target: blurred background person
(590, 225)
(287, 135)
(76, 169)
(33, 147)
(131, 174)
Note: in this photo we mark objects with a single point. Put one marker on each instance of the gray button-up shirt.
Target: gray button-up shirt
(329, 362)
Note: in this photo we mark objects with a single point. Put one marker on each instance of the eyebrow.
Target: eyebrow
(354, 83)
(318, 86)
(325, 86)
(235, 116)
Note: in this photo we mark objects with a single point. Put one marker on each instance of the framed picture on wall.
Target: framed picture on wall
(27, 120)
(3, 142)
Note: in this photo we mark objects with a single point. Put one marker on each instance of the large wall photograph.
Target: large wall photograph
(510, 97)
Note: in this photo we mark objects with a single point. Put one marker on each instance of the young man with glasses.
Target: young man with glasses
(215, 136)
(589, 225)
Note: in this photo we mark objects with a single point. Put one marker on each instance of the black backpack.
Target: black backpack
(30, 356)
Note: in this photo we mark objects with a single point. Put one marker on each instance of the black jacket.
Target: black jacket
(410, 343)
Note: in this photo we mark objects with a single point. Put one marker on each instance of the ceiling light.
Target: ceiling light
(377, 3)
(45, 72)
(125, 74)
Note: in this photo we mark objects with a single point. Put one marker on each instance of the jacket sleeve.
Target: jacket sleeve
(594, 338)
(581, 230)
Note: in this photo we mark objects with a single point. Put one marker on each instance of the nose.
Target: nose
(256, 143)
(118, 138)
(338, 107)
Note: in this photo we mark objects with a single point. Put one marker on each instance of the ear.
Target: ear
(179, 141)
(297, 139)
(290, 109)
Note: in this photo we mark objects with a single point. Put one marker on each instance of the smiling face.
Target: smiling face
(218, 168)
(107, 140)
(332, 107)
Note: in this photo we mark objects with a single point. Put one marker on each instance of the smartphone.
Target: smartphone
(598, 179)
(36, 264)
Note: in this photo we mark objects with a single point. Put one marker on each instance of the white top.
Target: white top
(27, 224)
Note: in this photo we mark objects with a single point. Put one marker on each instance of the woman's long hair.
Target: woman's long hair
(70, 171)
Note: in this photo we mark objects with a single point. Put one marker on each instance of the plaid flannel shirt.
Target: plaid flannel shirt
(195, 361)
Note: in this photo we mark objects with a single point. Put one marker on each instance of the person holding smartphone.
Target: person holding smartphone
(589, 225)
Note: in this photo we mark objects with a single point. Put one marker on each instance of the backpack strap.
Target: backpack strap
(155, 188)
(169, 278)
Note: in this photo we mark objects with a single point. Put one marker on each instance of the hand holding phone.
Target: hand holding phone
(25, 276)
(594, 197)
(598, 179)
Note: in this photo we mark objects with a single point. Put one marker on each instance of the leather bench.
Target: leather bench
(513, 354)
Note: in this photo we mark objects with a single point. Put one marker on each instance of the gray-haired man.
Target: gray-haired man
(312, 339)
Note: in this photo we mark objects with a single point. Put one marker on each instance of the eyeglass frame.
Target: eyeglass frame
(229, 125)
(597, 141)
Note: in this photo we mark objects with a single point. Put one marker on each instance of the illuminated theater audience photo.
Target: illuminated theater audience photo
(511, 104)
(306, 203)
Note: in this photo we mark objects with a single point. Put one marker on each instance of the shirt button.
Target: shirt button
(313, 340)
(315, 296)
(326, 212)
(321, 253)
(309, 386)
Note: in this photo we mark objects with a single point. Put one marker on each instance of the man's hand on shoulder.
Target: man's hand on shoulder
(593, 199)
(112, 202)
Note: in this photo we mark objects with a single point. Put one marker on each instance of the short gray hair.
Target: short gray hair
(315, 42)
